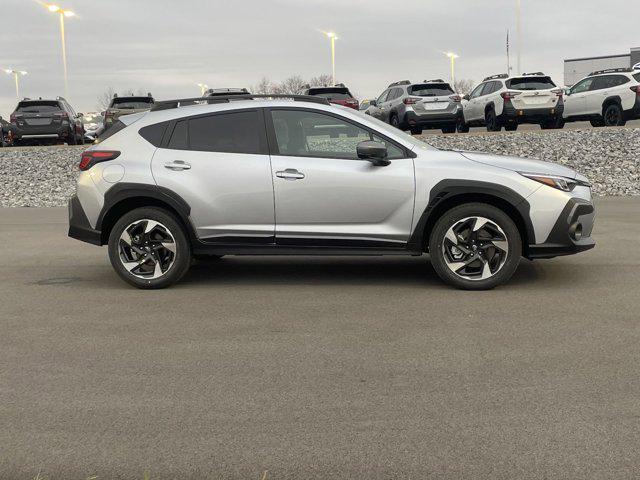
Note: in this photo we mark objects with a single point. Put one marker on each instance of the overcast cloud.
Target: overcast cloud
(166, 47)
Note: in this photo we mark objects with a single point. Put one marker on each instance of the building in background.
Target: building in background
(578, 68)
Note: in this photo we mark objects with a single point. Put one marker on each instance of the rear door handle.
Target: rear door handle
(177, 165)
(290, 174)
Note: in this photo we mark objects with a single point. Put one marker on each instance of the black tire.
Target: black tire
(461, 125)
(491, 121)
(455, 215)
(394, 121)
(511, 127)
(72, 139)
(597, 122)
(450, 129)
(416, 131)
(181, 258)
(613, 115)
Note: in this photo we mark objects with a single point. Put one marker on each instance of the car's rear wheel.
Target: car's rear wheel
(511, 127)
(614, 116)
(491, 121)
(394, 120)
(597, 122)
(148, 248)
(461, 125)
(72, 139)
(475, 246)
(416, 131)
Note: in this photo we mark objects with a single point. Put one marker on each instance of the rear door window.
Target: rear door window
(530, 83)
(237, 132)
(431, 90)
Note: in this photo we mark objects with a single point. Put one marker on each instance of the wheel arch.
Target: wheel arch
(613, 99)
(125, 197)
(451, 193)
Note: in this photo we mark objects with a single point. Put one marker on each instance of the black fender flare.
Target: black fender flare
(445, 192)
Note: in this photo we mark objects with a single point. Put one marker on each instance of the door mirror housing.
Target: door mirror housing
(466, 97)
(375, 152)
(567, 91)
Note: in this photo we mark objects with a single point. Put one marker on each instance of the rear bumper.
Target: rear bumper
(432, 120)
(45, 131)
(531, 115)
(79, 226)
(571, 234)
(633, 113)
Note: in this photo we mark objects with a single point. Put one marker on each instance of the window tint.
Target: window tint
(132, 103)
(178, 139)
(41, 106)
(609, 81)
(431, 90)
(489, 87)
(112, 130)
(582, 86)
(238, 132)
(310, 134)
(531, 83)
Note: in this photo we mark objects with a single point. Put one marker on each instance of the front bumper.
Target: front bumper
(571, 233)
(79, 226)
(532, 115)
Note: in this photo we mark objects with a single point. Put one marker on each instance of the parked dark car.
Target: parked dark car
(120, 106)
(46, 120)
(338, 94)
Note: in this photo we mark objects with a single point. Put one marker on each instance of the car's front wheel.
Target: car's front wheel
(475, 246)
(148, 248)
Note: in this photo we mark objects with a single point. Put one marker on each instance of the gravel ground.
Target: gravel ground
(610, 158)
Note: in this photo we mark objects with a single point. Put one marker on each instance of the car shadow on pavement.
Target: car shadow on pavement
(415, 271)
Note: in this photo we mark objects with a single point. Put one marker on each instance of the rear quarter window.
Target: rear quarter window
(154, 133)
(111, 131)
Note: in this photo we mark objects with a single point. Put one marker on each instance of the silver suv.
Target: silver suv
(264, 175)
(418, 106)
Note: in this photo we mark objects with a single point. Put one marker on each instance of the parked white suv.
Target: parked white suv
(248, 175)
(605, 98)
(504, 101)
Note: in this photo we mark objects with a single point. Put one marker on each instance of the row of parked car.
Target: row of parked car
(604, 98)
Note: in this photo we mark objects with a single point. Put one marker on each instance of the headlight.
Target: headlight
(561, 183)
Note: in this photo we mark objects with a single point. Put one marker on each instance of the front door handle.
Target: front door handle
(177, 165)
(290, 174)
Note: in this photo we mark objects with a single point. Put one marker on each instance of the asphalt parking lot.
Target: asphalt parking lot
(307, 367)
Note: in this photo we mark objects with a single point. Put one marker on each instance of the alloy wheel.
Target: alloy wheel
(147, 249)
(475, 248)
(613, 116)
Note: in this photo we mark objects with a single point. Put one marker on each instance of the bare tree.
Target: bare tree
(321, 81)
(464, 86)
(265, 86)
(294, 85)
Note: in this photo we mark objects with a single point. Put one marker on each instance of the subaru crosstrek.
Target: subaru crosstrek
(261, 175)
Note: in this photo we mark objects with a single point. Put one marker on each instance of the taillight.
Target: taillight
(13, 117)
(509, 95)
(91, 157)
(410, 100)
(63, 115)
(636, 89)
(558, 91)
(456, 98)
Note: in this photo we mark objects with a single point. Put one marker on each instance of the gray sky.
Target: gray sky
(167, 46)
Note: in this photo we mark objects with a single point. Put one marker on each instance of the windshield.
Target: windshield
(132, 103)
(331, 93)
(530, 83)
(431, 90)
(38, 107)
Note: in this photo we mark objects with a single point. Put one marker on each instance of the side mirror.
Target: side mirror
(375, 152)
(373, 103)
(466, 97)
(567, 91)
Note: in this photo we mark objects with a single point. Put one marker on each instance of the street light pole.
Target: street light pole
(15, 74)
(333, 37)
(452, 56)
(519, 34)
(63, 13)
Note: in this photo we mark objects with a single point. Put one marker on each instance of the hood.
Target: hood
(523, 165)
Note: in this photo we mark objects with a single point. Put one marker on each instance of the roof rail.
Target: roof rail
(494, 77)
(610, 70)
(401, 82)
(435, 80)
(533, 74)
(179, 102)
